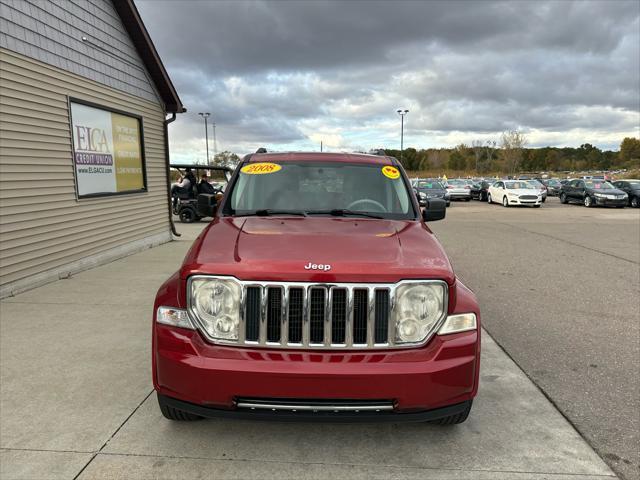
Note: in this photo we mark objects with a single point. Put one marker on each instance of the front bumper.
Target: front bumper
(442, 373)
(290, 416)
(609, 202)
(520, 201)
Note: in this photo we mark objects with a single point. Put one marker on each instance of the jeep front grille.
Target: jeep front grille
(316, 316)
(297, 315)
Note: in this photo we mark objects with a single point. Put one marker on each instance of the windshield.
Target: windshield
(456, 183)
(597, 184)
(430, 185)
(553, 183)
(634, 184)
(519, 185)
(534, 183)
(329, 188)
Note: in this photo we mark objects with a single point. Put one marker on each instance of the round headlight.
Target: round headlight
(419, 308)
(216, 304)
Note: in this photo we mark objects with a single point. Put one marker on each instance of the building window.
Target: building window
(108, 150)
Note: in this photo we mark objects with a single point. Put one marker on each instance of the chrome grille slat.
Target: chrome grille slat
(371, 317)
(262, 338)
(348, 327)
(284, 317)
(328, 318)
(346, 315)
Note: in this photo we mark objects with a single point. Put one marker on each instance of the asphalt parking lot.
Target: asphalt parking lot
(559, 291)
(77, 402)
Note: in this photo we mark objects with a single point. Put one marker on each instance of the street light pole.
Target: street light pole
(402, 113)
(206, 132)
(215, 143)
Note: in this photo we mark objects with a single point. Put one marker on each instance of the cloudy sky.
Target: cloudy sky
(289, 74)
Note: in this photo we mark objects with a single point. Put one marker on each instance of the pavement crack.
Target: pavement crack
(95, 454)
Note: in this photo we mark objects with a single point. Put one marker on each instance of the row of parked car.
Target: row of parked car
(531, 191)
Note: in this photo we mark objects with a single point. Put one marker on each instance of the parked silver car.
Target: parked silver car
(459, 189)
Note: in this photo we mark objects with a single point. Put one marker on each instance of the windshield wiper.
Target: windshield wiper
(341, 212)
(267, 212)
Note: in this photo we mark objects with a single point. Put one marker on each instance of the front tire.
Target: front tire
(634, 202)
(454, 419)
(588, 201)
(505, 202)
(563, 198)
(489, 198)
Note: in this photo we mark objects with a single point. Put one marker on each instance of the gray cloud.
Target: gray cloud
(285, 73)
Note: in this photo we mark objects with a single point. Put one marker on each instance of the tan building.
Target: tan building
(83, 138)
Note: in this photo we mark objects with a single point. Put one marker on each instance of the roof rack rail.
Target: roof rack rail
(378, 151)
(261, 150)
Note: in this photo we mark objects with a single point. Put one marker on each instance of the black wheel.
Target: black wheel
(174, 414)
(454, 419)
(505, 201)
(188, 215)
(634, 202)
(588, 201)
(563, 198)
(544, 199)
(467, 199)
(489, 198)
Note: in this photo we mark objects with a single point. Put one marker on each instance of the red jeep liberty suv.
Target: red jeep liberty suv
(317, 292)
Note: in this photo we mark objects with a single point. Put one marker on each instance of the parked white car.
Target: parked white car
(514, 192)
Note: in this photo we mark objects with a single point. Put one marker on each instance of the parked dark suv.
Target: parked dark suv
(432, 188)
(632, 189)
(593, 192)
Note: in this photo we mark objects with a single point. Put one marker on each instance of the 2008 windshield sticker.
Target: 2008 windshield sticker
(391, 172)
(261, 168)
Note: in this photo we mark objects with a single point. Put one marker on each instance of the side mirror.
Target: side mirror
(436, 209)
(206, 205)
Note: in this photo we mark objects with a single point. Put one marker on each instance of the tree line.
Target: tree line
(510, 155)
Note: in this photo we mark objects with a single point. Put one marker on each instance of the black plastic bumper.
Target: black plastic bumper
(328, 417)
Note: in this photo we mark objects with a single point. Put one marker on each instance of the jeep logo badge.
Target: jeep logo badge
(314, 266)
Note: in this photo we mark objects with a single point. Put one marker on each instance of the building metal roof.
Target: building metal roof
(144, 45)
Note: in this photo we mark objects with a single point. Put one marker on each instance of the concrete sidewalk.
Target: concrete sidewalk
(76, 402)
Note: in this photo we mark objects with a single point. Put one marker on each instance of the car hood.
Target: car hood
(606, 191)
(357, 249)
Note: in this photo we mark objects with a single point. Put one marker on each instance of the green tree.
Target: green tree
(552, 160)
(512, 143)
(630, 150)
(456, 161)
(226, 159)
